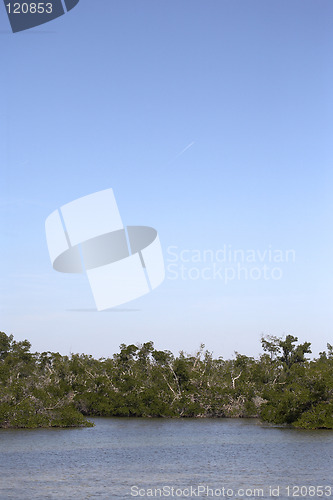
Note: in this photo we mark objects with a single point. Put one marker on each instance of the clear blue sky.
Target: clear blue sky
(110, 95)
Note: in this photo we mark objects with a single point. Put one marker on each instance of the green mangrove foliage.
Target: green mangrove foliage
(282, 386)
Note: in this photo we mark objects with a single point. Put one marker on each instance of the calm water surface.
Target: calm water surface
(106, 461)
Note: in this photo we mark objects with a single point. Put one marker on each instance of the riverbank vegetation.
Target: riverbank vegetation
(282, 386)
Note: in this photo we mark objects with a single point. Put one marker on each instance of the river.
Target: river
(166, 458)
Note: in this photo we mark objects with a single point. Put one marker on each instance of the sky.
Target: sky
(212, 122)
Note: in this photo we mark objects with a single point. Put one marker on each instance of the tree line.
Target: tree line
(281, 386)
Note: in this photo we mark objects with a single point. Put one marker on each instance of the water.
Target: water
(106, 461)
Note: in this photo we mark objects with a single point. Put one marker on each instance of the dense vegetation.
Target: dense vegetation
(282, 386)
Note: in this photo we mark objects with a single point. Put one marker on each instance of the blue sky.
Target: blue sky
(110, 95)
